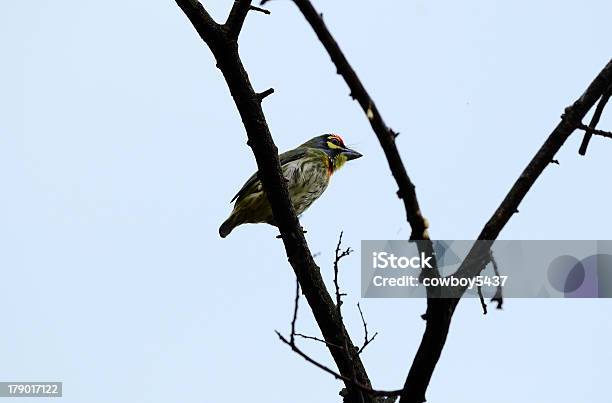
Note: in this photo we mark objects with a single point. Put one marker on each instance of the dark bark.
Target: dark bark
(222, 40)
(385, 135)
(590, 130)
(440, 311)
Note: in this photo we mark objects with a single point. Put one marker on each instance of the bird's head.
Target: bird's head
(334, 147)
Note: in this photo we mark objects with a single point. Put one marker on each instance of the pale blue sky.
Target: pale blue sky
(120, 149)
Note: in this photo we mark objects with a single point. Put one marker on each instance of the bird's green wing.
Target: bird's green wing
(254, 183)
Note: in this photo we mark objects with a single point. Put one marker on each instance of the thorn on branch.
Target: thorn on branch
(393, 133)
(261, 10)
(264, 94)
(516, 211)
(555, 162)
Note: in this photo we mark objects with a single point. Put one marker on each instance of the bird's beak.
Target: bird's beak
(351, 154)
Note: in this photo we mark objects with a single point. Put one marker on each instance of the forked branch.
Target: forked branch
(440, 311)
(222, 41)
(590, 129)
(366, 389)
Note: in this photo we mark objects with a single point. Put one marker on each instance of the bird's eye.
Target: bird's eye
(335, 141)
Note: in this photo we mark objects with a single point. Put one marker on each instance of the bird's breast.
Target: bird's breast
(307, 180)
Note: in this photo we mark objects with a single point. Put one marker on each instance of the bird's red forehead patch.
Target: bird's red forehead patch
(335, 136)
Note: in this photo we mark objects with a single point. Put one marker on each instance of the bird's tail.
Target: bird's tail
(227, 226)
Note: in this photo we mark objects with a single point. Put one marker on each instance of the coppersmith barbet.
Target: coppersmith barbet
(307, 169)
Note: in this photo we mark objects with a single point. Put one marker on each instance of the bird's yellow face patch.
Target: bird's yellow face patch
(334, 142)
(339, 161)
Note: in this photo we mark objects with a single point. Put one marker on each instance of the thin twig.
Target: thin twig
(339, 255)
(482, 301)
(366, 340)
(304, 336)
(498, 297)
(291, 342)
(597, 132)
(364, 388)
(295, 308)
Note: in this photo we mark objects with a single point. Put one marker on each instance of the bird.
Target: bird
(307, 169)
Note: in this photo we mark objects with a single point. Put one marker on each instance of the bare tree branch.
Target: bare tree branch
(366, 339)
(225, 50)
(594, 121)
(265, 93)
(369, 392)
(385, 135)
(339, 255)
(589, 130)
(304, 336)
(221, 39)
(261, 10)
(570, 121)
(498, 297)
(296, 303)
(367, 389)
(440, 311)
(483, 304)
(236, 17)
